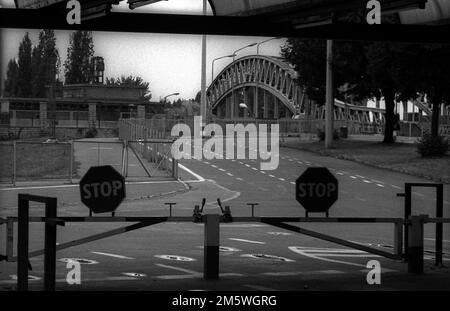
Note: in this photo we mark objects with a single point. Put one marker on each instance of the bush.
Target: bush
(91, 133)
(321, 134)
(429, 146)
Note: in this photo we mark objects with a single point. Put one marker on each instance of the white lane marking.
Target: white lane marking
(112, 255)
(222, 170)
(239, 178)
(262, 172)
(240, 162)
(190, 274)
(360, 176)
(430, 239)
(205, 162)
(215, 166)
(292, 183)
(258, 287)
(247, 165)
(229, 174)
(295, 273)
(367, 181)
(353, 177)
(340, 173)
(299, 162)
(282, 179)
(377, 181)
(380, 185)
(200, 178)
(271, 176)
(247, 241)
(254, 168)
(322, 253)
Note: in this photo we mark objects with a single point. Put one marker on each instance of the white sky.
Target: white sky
(169, 62)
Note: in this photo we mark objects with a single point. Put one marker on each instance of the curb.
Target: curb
(443, 180)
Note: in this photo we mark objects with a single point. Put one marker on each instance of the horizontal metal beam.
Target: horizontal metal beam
(223, 25)
(335, 240)
(95, 237)
(36, 198)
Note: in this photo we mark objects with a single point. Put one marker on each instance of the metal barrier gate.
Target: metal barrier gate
(414, 228)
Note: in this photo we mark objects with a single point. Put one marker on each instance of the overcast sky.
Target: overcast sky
(169, 62)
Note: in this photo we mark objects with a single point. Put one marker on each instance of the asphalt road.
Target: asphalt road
(253, 256)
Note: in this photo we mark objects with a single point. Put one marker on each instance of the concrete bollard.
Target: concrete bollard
(211, 247)
(415, 244)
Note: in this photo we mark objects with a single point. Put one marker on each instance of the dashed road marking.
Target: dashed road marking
(261, 288)
(367, 181)
(380, 185)
(229, 174)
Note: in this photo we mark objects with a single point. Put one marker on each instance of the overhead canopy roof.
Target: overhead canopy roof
(436, 11)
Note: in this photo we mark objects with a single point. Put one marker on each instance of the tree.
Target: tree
(79, 53)
(131, 81)
(24, 68)
(12, 73)
(45, 62)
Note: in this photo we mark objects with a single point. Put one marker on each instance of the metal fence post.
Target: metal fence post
(10, 239)
(398, 238)
(71, 161)
(22, 245)
(211, 247)
(439, 213)
(14, 177)
(50, 245)
(415, 246)
(407, 215)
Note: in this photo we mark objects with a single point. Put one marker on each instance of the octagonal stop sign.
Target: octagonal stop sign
(316, 189)
(102, 189)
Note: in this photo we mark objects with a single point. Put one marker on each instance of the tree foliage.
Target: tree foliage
(24, 68)
(12, 73)
(131, 81)
(79, 53)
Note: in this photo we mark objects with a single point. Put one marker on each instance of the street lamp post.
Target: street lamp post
(234, 56)
(173, 94)
(212, 65)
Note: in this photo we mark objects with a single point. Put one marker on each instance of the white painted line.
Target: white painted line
(292, 183)
(205, 162)
(282, 179)
(262, 172)
(254, 168)
(200, 178)
(247, 165)
(377, 181)
(222, 170)
(353, 177)
(261, 288)
(215, 166)
(360, 176)
(239, 178)
(367, 181)
(295, 273)
(112, 255)
(339, 173)
(272, 176)
(300, 162)
(247, 241)
(380, 185)
(229, 174)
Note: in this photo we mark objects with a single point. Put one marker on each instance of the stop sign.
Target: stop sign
(316, 189)
(102, 189)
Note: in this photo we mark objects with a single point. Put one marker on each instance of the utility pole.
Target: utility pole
(203, 80)
(329, 106)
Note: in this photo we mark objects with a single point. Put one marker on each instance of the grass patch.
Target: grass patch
(398, 157)
(36, 161)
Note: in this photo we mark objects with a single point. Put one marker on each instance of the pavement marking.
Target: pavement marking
(222, 170)
(367, 181)
(258, 287)
(247, 165)
(268, 257)
(134, 274)
(200, 178)
(175, 257)
(254, 168)
(282, 179)
(247, 241)
(380, 185)
(112, 255)
(279, 233)
(190, 274)
(295, 273)
(299, 162)
(340, 173)
(353, 177)
(322, 253)
(229, 174)
(80, 260)
(360, 176)
(215, 166)
(377, 181)
(239, 178)
(272, 176)
(263, 172)
(292, 183)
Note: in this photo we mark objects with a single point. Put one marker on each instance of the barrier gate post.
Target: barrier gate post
(211, 247)
(22, 245)
(415, 245)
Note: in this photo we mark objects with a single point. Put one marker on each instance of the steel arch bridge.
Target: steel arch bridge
(266, 84)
